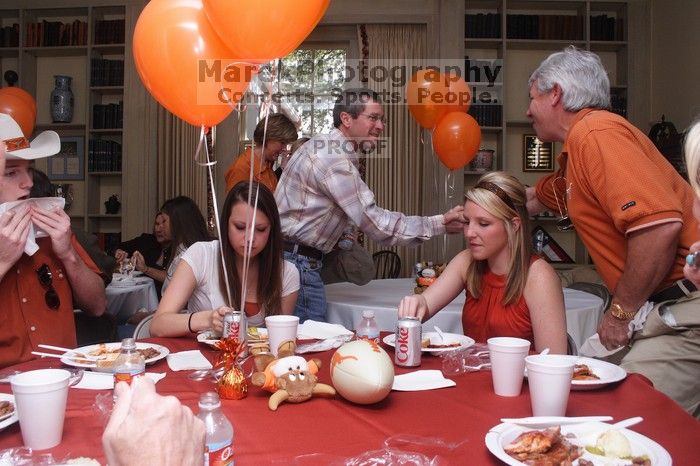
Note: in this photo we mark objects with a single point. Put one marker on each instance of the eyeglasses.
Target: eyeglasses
(374, 118)
(560, 184)
(45, 278)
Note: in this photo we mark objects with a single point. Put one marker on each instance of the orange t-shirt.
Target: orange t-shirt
(26, 320)
(239, 171)
(618, 182)
(486, 317)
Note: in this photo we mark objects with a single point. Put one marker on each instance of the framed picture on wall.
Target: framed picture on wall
(68, 163)
(538, 156)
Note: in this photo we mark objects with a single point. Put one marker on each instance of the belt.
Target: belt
(303, 250)
(678, 290)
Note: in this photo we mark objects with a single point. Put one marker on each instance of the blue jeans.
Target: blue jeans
(311, 301)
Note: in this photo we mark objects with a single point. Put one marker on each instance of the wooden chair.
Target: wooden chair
(387, 264)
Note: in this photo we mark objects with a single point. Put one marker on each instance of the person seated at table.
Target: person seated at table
(39, 290)
(186, 226)
(692, 159)
(153, 247)
(44, 188)
(277, 131)
(147, 428)
(510, 291)
(198, 284)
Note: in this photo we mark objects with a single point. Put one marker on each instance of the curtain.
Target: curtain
(178, 174)
(394, 171)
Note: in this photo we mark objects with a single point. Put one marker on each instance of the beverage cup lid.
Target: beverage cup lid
(508, 344)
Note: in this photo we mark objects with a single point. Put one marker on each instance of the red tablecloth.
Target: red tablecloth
(336, 427)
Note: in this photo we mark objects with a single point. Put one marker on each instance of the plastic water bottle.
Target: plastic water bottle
(368, 328)
(219, 431)
(347, 238)
(129, 364)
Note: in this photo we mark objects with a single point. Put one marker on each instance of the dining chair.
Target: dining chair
(387, 264)
(143, 329)
(571, 346)
(595, 289)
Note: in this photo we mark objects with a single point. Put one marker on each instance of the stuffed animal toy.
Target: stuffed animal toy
(289, 378)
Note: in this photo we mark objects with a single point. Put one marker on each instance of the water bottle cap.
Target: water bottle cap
(209, 400)
(128, 343)
(367, 314)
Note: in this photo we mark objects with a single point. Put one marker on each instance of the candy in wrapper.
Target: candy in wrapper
(233, 384)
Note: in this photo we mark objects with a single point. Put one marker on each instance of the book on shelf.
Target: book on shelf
(104, 155)
(544, 27)
(109, 31)
(487, 115)
(104, 72)
(56, 34)
(107, 116)
(482, 26)
(9, 36)
(606, 28)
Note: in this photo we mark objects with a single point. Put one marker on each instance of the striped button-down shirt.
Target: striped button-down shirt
(321, 192)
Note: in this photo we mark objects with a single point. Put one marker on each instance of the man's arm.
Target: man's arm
(87, 286)
(534, 206)
(650, 255)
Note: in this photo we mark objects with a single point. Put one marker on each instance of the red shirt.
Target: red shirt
(25, 319)
(239, 171)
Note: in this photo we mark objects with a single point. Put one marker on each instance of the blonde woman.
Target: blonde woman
(510, 291)
(692, 159)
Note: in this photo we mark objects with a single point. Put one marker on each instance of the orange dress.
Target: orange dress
(486, 317)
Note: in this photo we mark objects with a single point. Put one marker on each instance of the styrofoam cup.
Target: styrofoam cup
(40, 396)
(281, 328)
(507, 356)
(549, 379)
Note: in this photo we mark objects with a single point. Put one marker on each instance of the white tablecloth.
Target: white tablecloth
(346, 302)
(124, 300)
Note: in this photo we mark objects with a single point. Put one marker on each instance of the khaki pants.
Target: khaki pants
(669, 355)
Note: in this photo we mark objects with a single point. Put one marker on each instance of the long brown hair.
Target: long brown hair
(270, 262)
(518, 240)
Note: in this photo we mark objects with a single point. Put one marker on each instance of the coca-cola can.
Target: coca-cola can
(407, 350)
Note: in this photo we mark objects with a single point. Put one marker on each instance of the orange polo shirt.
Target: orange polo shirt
(239, 171)
(25, 319)
(618, 182)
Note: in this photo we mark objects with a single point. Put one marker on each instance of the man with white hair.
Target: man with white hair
(39, 284)
(633, 212)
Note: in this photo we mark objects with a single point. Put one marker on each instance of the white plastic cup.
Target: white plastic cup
(507, 356)
(281, 328)
(40, 398)
(549, 379)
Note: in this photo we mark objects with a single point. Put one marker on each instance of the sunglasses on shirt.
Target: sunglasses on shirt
(46, 280)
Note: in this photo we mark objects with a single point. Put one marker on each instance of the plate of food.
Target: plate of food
(255, 335)
(8, 412)
(106, 354)
(433, 343)
(585, 444)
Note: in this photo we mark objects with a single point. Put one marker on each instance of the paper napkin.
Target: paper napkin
(593, 348)
(187, 361)
(421, 380)
(46, 203)
(105, 380)
(312, 329)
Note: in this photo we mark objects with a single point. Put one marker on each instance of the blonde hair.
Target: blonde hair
(692, 155)
(496, 203)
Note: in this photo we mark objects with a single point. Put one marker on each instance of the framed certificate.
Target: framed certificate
(538, 156)
(68, 163)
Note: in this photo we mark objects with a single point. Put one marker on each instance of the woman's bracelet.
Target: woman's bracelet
(189, 322)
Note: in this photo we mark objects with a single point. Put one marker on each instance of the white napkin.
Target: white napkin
(46, 203)
(593, 348)
(188, 360)
(105, 380)
(312, 329)
(421, 380)
(121, 280)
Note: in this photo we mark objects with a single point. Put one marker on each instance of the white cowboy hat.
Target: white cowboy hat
(18, 147)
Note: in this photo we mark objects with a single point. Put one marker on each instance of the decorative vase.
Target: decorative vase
(483, 161)
(112, 204)
(62, 100)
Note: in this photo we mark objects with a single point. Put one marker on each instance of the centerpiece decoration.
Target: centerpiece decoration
(426, 274)
(233, 384)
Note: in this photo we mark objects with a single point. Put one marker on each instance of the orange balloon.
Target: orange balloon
(18, 109)
(456, 138)
(424, 94)
(184, 64)
(26, 97)
(262, 30)
(458, 96)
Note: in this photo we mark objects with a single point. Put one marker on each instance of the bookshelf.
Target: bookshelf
(517, 35)
(86, 43)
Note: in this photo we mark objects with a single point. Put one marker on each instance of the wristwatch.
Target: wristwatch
(619, 312)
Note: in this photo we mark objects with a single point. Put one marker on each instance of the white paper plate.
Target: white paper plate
(463, 340)
(586, 434)
(208, 337)
(68, 358)
(608, 373)
(12, 419)
(121, 281)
